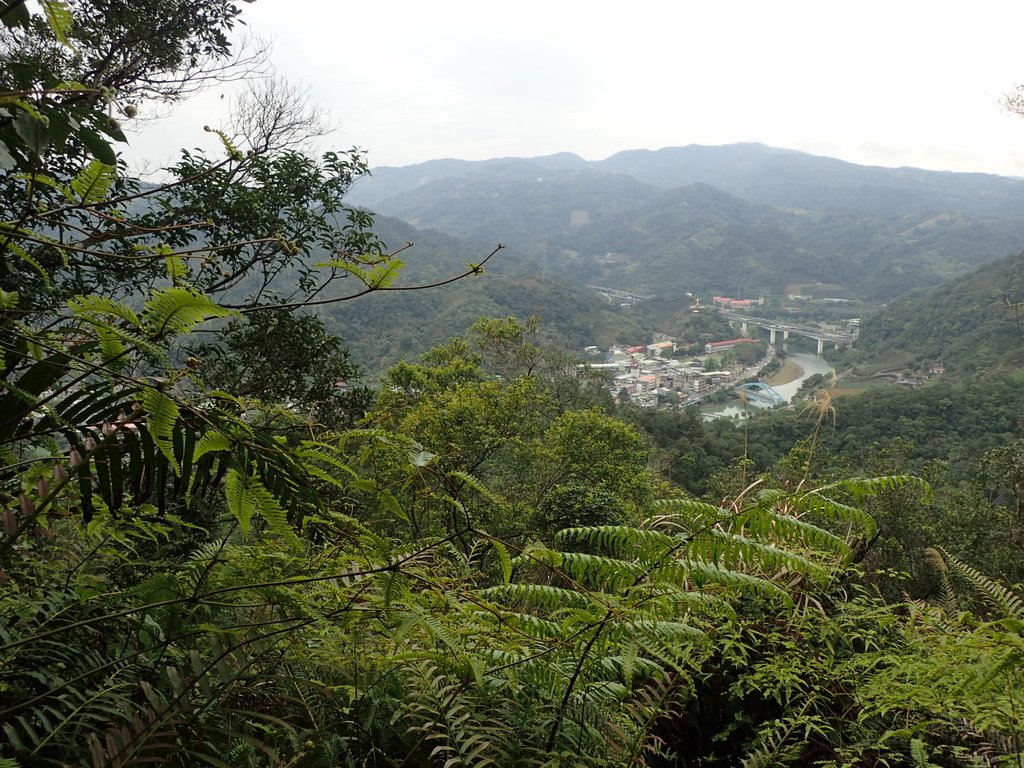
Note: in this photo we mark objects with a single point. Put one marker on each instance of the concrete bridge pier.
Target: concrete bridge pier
(743, 329)
(771, 337)
(821, 346)
(785, 334)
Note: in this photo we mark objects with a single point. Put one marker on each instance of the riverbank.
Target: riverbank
(798, 367)
(790, 371)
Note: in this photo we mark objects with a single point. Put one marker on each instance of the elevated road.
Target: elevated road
(838, 338)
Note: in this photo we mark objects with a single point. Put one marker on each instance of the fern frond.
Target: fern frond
(817, 503)
(607, 574)
(95, 305)
(93, 182)
(996, 594)
(542, 596)
(736, 552)
(701, 574)
(247, 497)
(623, 541)
(176, 310)
(161, 416)
(770, 525)
(695, 514)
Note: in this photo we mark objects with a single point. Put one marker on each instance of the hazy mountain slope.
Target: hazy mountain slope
(795, 179)
(701, 239)
(692, 239)
(517, 202)
(382, 328)
(768, 175)
(973, 323)
(388, 181)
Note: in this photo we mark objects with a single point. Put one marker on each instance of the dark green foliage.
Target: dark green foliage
(971, 325)
(217, 558)
(284, 356)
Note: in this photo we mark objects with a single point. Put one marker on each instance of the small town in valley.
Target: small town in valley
(655, 374)
(649, 375)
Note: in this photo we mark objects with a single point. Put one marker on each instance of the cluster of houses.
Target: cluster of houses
(649, 373)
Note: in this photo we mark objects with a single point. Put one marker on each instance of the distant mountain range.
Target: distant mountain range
(760, 174)
(736, 219)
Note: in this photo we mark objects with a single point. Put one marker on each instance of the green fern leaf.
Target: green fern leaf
(995, 593)
(247, 497)
(161, 416)
(59, 17)
(96, 307)
(538, 595)
(384, 274)
(701, 574)
(177, 310)
(696, 511)
(93, 182)
(604, 573)
(917, 752)
(504, 560)
(177, 267)
(624, 541)
(29, 259)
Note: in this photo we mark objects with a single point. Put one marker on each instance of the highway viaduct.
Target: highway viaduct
(774, 327)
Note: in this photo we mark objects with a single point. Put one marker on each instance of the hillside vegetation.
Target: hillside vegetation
(217, 548)
(591, 226)
(971, 325)
(384, 328)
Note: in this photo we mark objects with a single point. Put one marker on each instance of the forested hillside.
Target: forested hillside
(969, 325)
(217, 548)
(608, 229)
(518, 201)
(388, 327)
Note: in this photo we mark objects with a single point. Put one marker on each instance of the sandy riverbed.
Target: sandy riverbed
(789, 371)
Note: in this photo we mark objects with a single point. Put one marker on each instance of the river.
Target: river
(811, 364)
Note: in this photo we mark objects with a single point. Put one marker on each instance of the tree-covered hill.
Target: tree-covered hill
(973, 324)
(701, 239)
(384, 328)
(592, 227)
(517, 202)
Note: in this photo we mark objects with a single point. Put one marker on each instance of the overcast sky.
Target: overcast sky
(899, 82)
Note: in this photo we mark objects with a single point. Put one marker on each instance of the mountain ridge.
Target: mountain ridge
(760, 173)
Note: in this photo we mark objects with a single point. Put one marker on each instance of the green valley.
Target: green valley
(691, 457)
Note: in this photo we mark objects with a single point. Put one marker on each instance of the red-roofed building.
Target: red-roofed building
(729, 303)
(721, 346)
